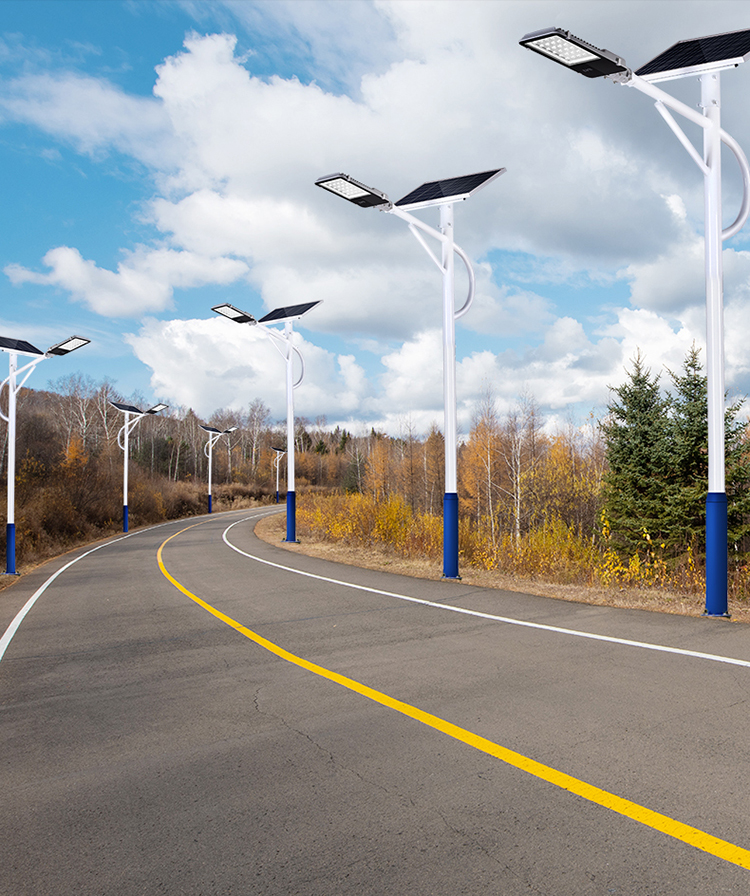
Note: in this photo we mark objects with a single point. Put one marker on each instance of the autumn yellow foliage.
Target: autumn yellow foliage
(553, 551)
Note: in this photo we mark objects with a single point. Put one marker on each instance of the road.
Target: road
(184, 712)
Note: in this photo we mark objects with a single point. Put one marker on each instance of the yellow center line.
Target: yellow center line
(722, 849)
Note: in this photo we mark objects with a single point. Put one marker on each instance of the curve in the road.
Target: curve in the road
(715, 846)
(643, 645)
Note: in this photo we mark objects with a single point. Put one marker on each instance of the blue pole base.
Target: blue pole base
(209, 503)
(717, 602)
(291, 517)
(277, 497)
(450, 536)
(124, 517)
(10, 549)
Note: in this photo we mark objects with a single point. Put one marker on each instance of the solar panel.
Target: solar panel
(19, 345)
(700, 54)
(210, 428)
(437, 192)
(126, 407)
(287, 312)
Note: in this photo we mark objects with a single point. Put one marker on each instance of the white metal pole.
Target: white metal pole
(710, 100)
(450, 501)
(210, 465)
(10, 529)
(716, 501)
(291, 505)
(126, 434)
(449, 348)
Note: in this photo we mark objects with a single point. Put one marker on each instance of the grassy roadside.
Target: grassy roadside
(272, 529)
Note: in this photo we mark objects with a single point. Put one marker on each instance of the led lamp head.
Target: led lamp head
(574, 53)
(347, 188)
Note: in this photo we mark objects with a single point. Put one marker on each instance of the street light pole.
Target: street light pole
(133, 416)
(450, 498)
(10, 528)
(277, 463)
(214, 435)
(705, 57)
(283, 341)
(443, 193)
(14, 348)
(291, 495)
(717, 522)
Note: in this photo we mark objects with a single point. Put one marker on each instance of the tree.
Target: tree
(637, 437)
(480, 463)
(433, 462)
(688, 485)
(522, 447)
(258, 417)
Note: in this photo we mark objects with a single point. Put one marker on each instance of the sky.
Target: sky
(159, 157)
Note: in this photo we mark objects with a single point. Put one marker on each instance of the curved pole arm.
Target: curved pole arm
(280, 337)
(302, 365)
(472, 282)
(120, 439)
(736, 149)
(415, 224)
(5, 382)
(128, 425)
(212, 440)
(28, 368)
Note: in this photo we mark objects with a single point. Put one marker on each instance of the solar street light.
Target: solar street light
(280, 452)
(214, 435)
(442, 194)
(705, 57)
(133, 416)
(282, 340)
(14, 348)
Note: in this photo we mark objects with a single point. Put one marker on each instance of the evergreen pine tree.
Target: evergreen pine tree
(737, 477)
(686, 503)
(636, 435)
(687, 484)
(657, 451)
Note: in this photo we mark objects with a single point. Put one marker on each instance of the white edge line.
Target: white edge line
(19, 617)
(644, 645)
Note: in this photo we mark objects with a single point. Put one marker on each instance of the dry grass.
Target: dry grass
(272, 529)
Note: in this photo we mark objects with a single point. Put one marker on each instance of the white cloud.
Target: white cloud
(207, 364)
(597, 187)
(144, 281)
(92, 114)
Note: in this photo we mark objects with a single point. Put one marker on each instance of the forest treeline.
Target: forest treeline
(615, 500)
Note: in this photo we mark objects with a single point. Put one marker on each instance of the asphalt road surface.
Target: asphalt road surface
(180, 717)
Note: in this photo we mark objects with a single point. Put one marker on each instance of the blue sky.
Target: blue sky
(159, 157)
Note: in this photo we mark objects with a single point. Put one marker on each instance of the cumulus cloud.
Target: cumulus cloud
(597, 190)
(210, 364)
